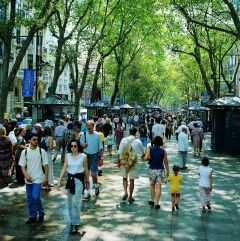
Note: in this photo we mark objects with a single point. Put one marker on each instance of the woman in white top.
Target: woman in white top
(49, 142)
(78, 176)
(205, 184)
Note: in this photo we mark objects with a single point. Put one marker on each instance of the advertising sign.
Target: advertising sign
(28, 83)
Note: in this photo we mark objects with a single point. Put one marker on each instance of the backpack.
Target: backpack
(127, 157)
(43, 144)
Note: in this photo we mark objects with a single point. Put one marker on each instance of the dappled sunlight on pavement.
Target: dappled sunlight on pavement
(109, 218)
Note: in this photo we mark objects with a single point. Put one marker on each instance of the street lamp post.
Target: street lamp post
(71, 88)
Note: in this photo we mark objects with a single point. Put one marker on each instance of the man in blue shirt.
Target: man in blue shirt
(92, 147)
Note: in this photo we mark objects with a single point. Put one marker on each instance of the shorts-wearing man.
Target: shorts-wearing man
(132, 173)
(92, 147)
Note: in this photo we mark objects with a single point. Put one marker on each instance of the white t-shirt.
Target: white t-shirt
(116, 120)
(34, 163)
(136, 118)
(12, 137)
(158, 130)
(182, 142)
(75, 165)
(204, 176)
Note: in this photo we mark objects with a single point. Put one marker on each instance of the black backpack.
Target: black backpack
(43, 144)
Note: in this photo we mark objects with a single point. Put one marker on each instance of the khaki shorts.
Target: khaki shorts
(131, 172)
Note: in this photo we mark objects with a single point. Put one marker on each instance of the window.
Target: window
(60, 88)
(3, 11)
(1, 49)
(39, 40)
(18, 34)
(16, 94)
(30, 61)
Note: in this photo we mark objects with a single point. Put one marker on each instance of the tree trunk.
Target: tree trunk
(116, 85)
(85, 71)
(198, 58)
(57, 68)
(77, 103)
(95, 80)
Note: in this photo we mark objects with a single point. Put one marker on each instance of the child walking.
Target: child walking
(205, 184)
(174, 180)
(110, 141)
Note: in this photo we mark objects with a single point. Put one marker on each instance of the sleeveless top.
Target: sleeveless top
(75, 165)
(156, 158)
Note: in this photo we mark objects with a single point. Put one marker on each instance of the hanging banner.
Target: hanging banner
(28, 83)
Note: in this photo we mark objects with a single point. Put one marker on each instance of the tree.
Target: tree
(34, 21)
(66, 21)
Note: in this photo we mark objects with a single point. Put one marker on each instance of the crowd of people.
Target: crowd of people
(28, 153)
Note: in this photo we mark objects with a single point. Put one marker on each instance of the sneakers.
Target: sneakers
(97, 191)
(41, 219)
(31, 221)
(157, 206)
(151, 203)
(209, 208)
(88, 196)
(125, 196)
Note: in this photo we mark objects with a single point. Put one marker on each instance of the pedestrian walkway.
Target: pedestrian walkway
(108, 218)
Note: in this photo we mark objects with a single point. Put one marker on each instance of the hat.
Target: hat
(38, 125)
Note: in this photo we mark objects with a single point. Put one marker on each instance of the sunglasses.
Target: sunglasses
(34, 139)
(73, 145)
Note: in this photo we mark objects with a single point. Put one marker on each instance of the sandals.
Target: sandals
(74, 229)
(131, 199)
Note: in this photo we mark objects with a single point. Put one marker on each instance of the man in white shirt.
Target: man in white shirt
(31, 161)
(183, 148)
(116, 121)
(59, 134)
(131, 172)
(179, 129)
(158, 129)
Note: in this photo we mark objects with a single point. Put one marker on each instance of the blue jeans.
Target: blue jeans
(182, 158)
(75, 203)
(144, 141)
(34, 202)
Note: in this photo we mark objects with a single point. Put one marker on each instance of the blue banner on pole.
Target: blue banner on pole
(28, 83)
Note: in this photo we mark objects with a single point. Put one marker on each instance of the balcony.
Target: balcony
(17, 99)
(20, 73)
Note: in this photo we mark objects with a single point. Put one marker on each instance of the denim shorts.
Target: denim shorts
(93, 162)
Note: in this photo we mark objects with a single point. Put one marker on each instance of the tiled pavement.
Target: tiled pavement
(109, 218)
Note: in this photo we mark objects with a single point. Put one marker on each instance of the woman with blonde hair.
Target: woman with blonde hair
(107, 127)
